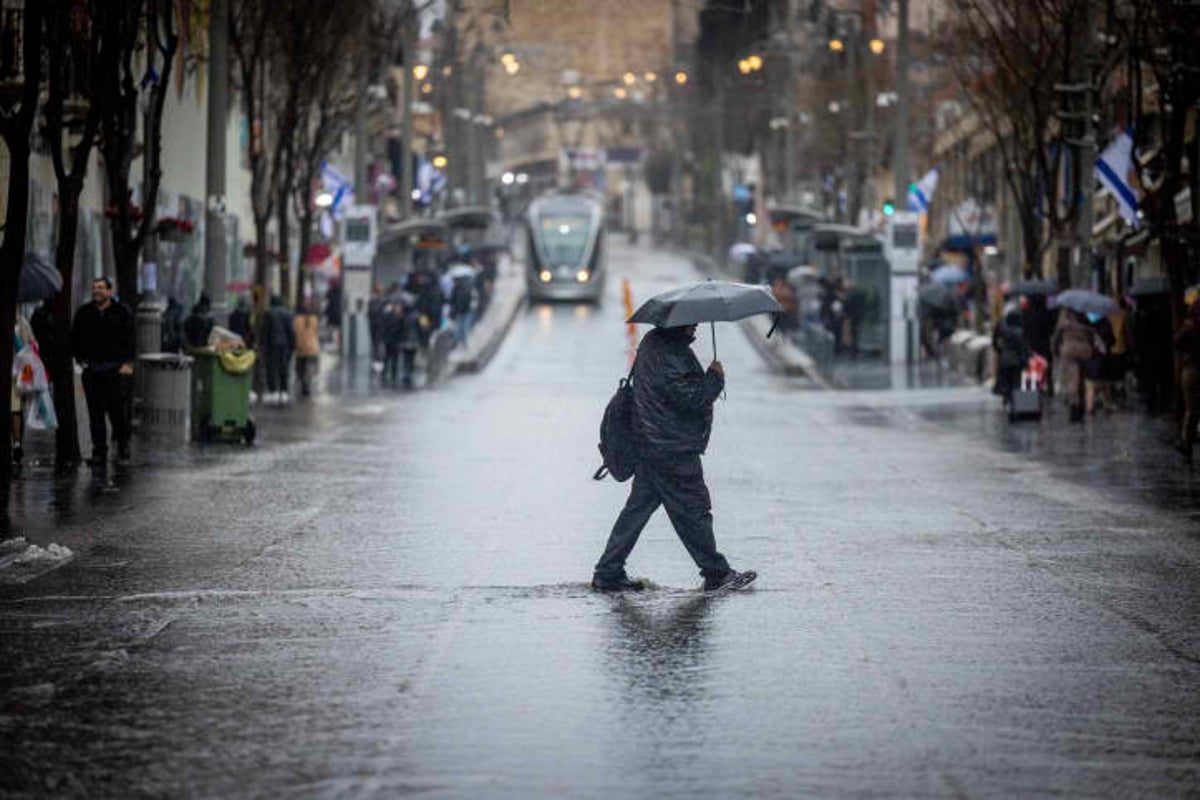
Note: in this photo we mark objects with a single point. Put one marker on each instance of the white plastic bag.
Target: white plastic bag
(42, 416)
(29, 373)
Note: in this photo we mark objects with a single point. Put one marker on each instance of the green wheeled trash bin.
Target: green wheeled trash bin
(221, 395)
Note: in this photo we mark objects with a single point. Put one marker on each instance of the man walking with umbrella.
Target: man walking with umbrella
(672, 418)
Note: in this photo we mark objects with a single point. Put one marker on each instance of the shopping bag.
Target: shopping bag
(42, 416)
(29, 373)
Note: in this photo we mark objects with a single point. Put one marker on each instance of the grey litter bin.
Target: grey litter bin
(166, 380)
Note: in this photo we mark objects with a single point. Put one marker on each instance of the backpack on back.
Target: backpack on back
(616, 434)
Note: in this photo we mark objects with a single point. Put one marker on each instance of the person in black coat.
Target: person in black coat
(672, 419)
(1008, 341)
(277, 337)
(199, 324)
(104, 341)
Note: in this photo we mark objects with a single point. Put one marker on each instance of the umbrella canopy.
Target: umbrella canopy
(709, 301)
(741, 251)
(39, 279)
(1085, 301)
(948, 273)
(941, 296)
(1033, 287)
(461, 271)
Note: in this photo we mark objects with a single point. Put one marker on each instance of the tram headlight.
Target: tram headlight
(582, 276)
(544, 276)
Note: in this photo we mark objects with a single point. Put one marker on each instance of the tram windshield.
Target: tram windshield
(565, 232)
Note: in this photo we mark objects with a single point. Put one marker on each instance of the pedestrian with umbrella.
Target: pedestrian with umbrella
(672, 413)
(1074, 342)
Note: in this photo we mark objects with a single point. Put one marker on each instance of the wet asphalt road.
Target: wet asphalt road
(388, 598)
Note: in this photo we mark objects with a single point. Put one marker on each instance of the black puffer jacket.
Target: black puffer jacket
(672, 395)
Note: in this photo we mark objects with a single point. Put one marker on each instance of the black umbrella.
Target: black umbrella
(709, 301)
(39, 279)
(1033, 287)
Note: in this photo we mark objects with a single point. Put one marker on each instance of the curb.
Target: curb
(507, 303)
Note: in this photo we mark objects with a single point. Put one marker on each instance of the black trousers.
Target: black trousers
(277, 368)
(678, 485)
(105, 392)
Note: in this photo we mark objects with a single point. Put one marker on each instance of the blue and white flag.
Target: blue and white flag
(1112, 169)
(339, 186)
(920, 194)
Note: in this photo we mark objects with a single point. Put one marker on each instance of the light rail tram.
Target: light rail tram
(567, 251)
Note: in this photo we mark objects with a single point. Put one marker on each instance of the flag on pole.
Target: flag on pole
(1112, 169)
(920, 194)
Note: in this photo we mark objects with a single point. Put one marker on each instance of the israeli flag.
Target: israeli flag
(338, 185)
(920, 194)
(1112, 169)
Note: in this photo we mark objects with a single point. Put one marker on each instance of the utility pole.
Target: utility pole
(1076, 113)
(215, 255)
(406, 125)
(900, 141)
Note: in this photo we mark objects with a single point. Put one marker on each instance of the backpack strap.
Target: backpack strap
(599, 474)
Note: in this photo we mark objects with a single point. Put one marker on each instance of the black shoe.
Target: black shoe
(732, 581)
(622, 584)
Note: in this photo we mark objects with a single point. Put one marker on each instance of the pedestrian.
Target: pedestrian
(1187, 343)
(278, 338)
(104, 341)
(1037, 322)
(1008, 340)
(306, 325)
(1074, 344)
(376, 319)
(462, 307)
(198, 324)
(239, 322)
(333, 312)
(171, 337)
(672, 419)
(1095, 372)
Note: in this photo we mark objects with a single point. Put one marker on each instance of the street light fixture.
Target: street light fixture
(575, 92)
(651, 77)
(323, 200)
(508, 58)
(876, 46)
(743, 66)
(755, 62)
(512, 67)
(837, 45)
(681, 77)
(420, 71)
(440, 161)
(629, 79)
(620, 93)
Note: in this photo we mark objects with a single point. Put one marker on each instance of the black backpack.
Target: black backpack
(616, 434)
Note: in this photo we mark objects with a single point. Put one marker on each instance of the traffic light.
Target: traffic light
(889, 207)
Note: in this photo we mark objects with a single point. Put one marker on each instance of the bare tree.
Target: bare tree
(76, 44)
(251, 26)
(17, 112)
(1007, 56)
(326, 114)
(145, 36)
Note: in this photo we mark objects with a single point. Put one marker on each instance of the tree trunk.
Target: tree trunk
(62, 374)
(306, 223)
(12, 255)
(125, 257)
(282, 218)
(261, 267)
